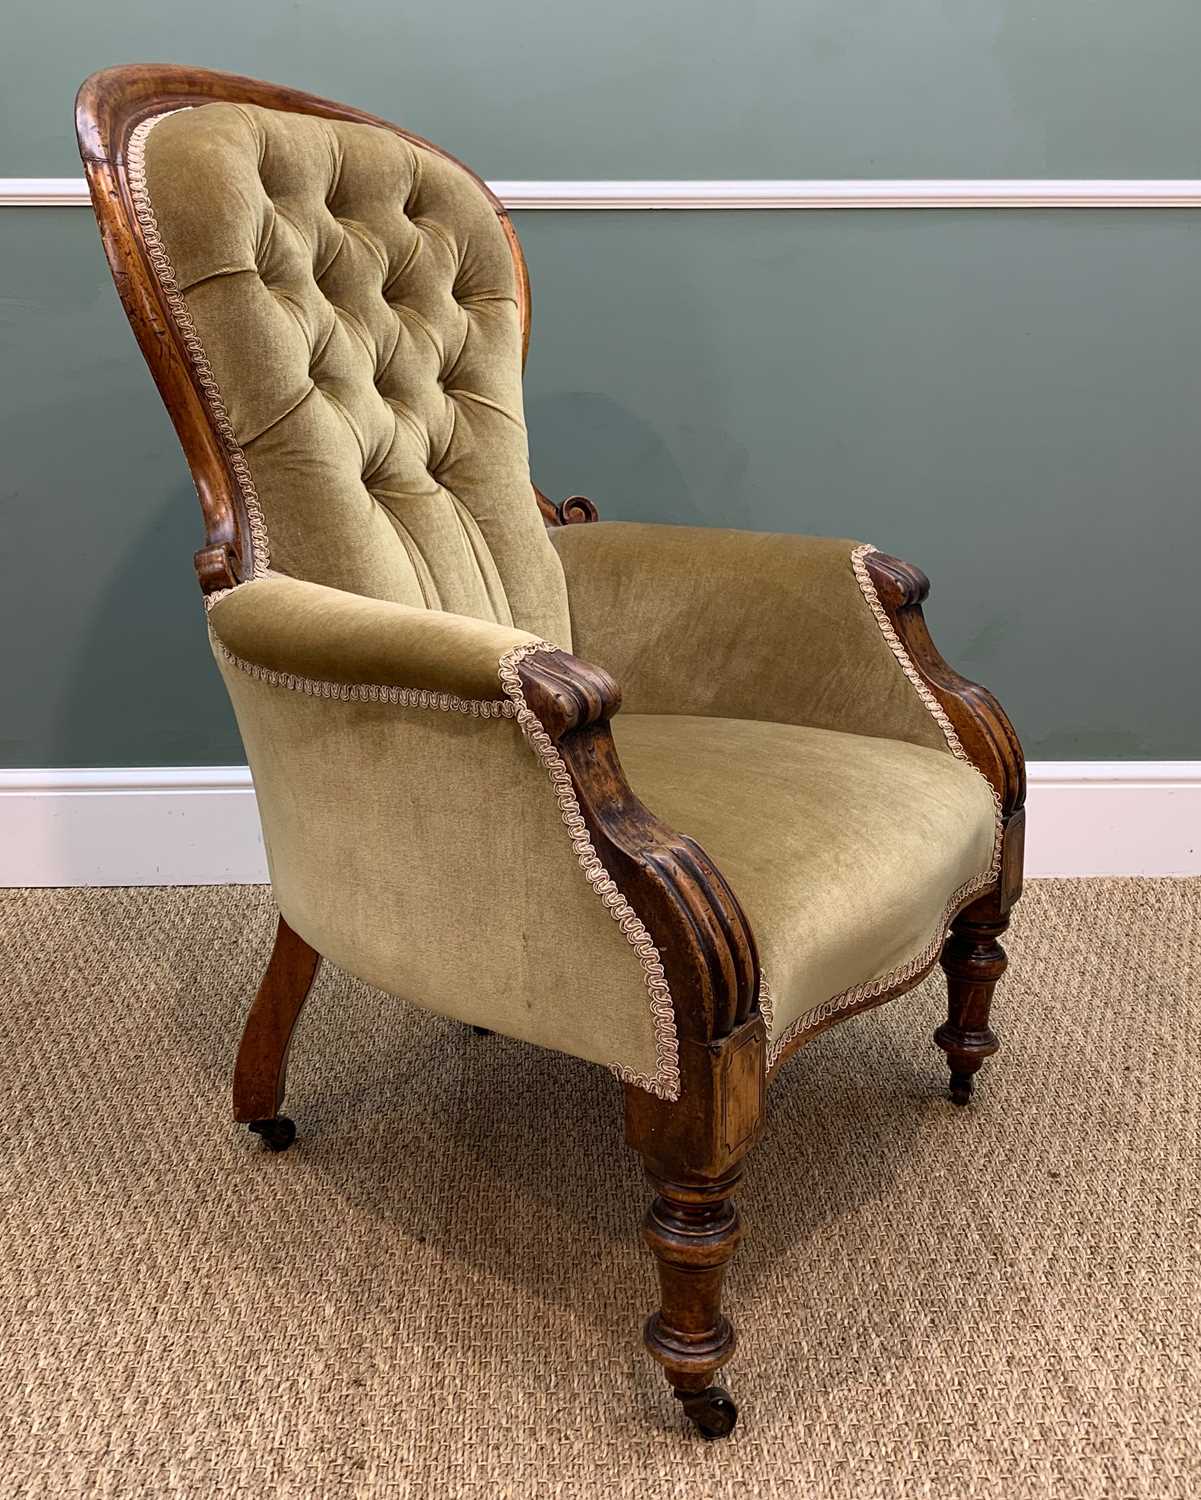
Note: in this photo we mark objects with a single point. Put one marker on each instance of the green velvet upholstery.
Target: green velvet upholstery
(355, 296)
(843, 849)
(350, 303)
(745, 625)
(422, 850)
(306, 629)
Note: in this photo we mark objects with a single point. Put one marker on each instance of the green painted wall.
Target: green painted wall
(676, 88)
(1009, 399)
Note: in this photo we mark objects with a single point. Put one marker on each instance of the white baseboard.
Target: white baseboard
(162, 825)
(188, 825)
(1113, 817)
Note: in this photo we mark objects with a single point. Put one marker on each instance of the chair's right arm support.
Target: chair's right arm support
(972, 714)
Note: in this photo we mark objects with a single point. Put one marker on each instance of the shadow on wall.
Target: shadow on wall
(623, 463)
(654, 434)
(110, 664)
(140, 687)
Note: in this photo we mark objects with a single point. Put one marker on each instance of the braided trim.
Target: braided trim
(666, 1081)
(875, 988)
(368, 692)
(871, 989)
(921, 687)
(210, 391)
(935, 709)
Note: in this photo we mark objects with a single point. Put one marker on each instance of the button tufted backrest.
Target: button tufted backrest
(354, 296)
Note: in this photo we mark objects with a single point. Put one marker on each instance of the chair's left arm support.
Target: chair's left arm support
(704, 938)
(701, 931)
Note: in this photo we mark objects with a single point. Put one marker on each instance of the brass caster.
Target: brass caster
(961, 1088)
(277, 1134)
(712, 1411)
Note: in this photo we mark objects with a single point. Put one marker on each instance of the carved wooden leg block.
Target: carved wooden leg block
(693, 1231)
(974, 961)
(693, 1152)
(260, 1073)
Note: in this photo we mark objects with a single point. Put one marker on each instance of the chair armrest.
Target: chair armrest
(368, 798)
(306, 630)
(973, 715)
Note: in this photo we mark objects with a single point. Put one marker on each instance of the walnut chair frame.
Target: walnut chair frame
(693, 1148)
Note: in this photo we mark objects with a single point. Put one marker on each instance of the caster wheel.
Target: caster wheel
(712, 1412)
(277, 1134)
(961, 1088)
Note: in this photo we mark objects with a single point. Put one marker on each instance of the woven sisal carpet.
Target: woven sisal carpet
(438, 1291)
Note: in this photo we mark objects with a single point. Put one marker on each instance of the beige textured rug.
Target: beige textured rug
(438, 1291)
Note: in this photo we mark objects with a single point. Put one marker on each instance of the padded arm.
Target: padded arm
(432, 854)
(738, 624)
(412, 836)
(307, 630)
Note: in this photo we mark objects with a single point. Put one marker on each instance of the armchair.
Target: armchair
(799, 808)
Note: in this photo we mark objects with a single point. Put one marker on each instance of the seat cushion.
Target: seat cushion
(845, 851)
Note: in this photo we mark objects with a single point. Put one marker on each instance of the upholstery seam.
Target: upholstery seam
(418, 179)
(666, 1080)
(404, 312)
(283, 416)
(278, 213)
(317, 355)
(355, 432)
(401, 413)
(874, 988)
(218, 275)
(352, 226)
(428, 226)
(408, 541)
(462, 394)
(450, 437)
(391, 281)
(870, 989)
(353, 322)
(164, 272)
(477, 544)
(339, 160)
(366, 692)
(320, 275)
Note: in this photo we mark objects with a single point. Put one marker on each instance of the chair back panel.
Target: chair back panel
(351, 300)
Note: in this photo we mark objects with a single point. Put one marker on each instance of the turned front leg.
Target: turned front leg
(693, 1151)
(974, 961)
(693, 1231)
